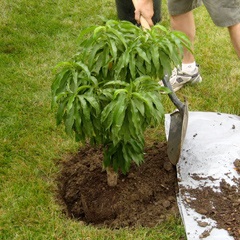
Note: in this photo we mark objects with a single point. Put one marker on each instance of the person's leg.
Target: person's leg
(234, 32)
(182, 19)
(188, 71)
(185, 23)
(226, 13)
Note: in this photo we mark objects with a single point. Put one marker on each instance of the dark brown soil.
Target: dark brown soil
(146, 196)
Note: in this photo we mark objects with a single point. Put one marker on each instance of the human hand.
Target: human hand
(144, 8)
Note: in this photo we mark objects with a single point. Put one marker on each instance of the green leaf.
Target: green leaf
(97, 65)
(122, 62)
(149, 68)
(60, 97)
(130, 127)
(158, 112)
(109, 151)
(107, 115)
(60, 112)
(86, 31)
(118, 160)
(106, 60)
(113, 49)
(137, 145)
(160, 27)
(69, 121)
(136, 119)
(119, 91)
(183, 40)
(94, 104)
(140, 66)
(78, 119)
(155, 58)
(81, 89)
(63, 65)
(99, 32)
(126, 133)
(92, 54)
(132, 66)
(165, 62)
(83, 67)
(118, 117)
(86, 120)
(131, 155)
(116, 83)
(142, 54)
(70, 102)
(94, 81)
(139, 105)
(106, 95)
(60, 82)
(140, 97)
(118, 35)
(128, 157)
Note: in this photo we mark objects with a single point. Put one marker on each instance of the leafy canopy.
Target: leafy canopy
(108, 93)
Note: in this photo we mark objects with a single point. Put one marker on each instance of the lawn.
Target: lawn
(34, 37)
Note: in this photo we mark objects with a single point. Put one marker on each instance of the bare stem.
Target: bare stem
(112, 177)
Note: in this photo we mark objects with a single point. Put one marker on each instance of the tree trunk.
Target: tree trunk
(112, 177)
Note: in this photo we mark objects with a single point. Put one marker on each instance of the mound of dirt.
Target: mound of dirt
(146, 196)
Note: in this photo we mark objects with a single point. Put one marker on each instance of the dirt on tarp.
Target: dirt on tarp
(146, 196)
(222, 206)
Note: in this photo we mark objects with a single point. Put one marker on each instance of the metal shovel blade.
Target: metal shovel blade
(178, 125)
(177, 132)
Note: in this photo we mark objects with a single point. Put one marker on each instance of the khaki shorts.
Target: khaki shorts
(224, 13)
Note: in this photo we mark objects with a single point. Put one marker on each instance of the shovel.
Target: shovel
(179, 118)
(178, 125)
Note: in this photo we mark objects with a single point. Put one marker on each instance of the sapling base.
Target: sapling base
(112, 177)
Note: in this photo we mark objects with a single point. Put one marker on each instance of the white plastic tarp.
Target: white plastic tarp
(211, 145)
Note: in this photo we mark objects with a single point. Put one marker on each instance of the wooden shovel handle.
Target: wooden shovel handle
(143, 21)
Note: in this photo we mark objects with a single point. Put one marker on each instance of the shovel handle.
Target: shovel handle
(173, 95)
(143, 21)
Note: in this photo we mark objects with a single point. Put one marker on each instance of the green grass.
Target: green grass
(34, 37)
